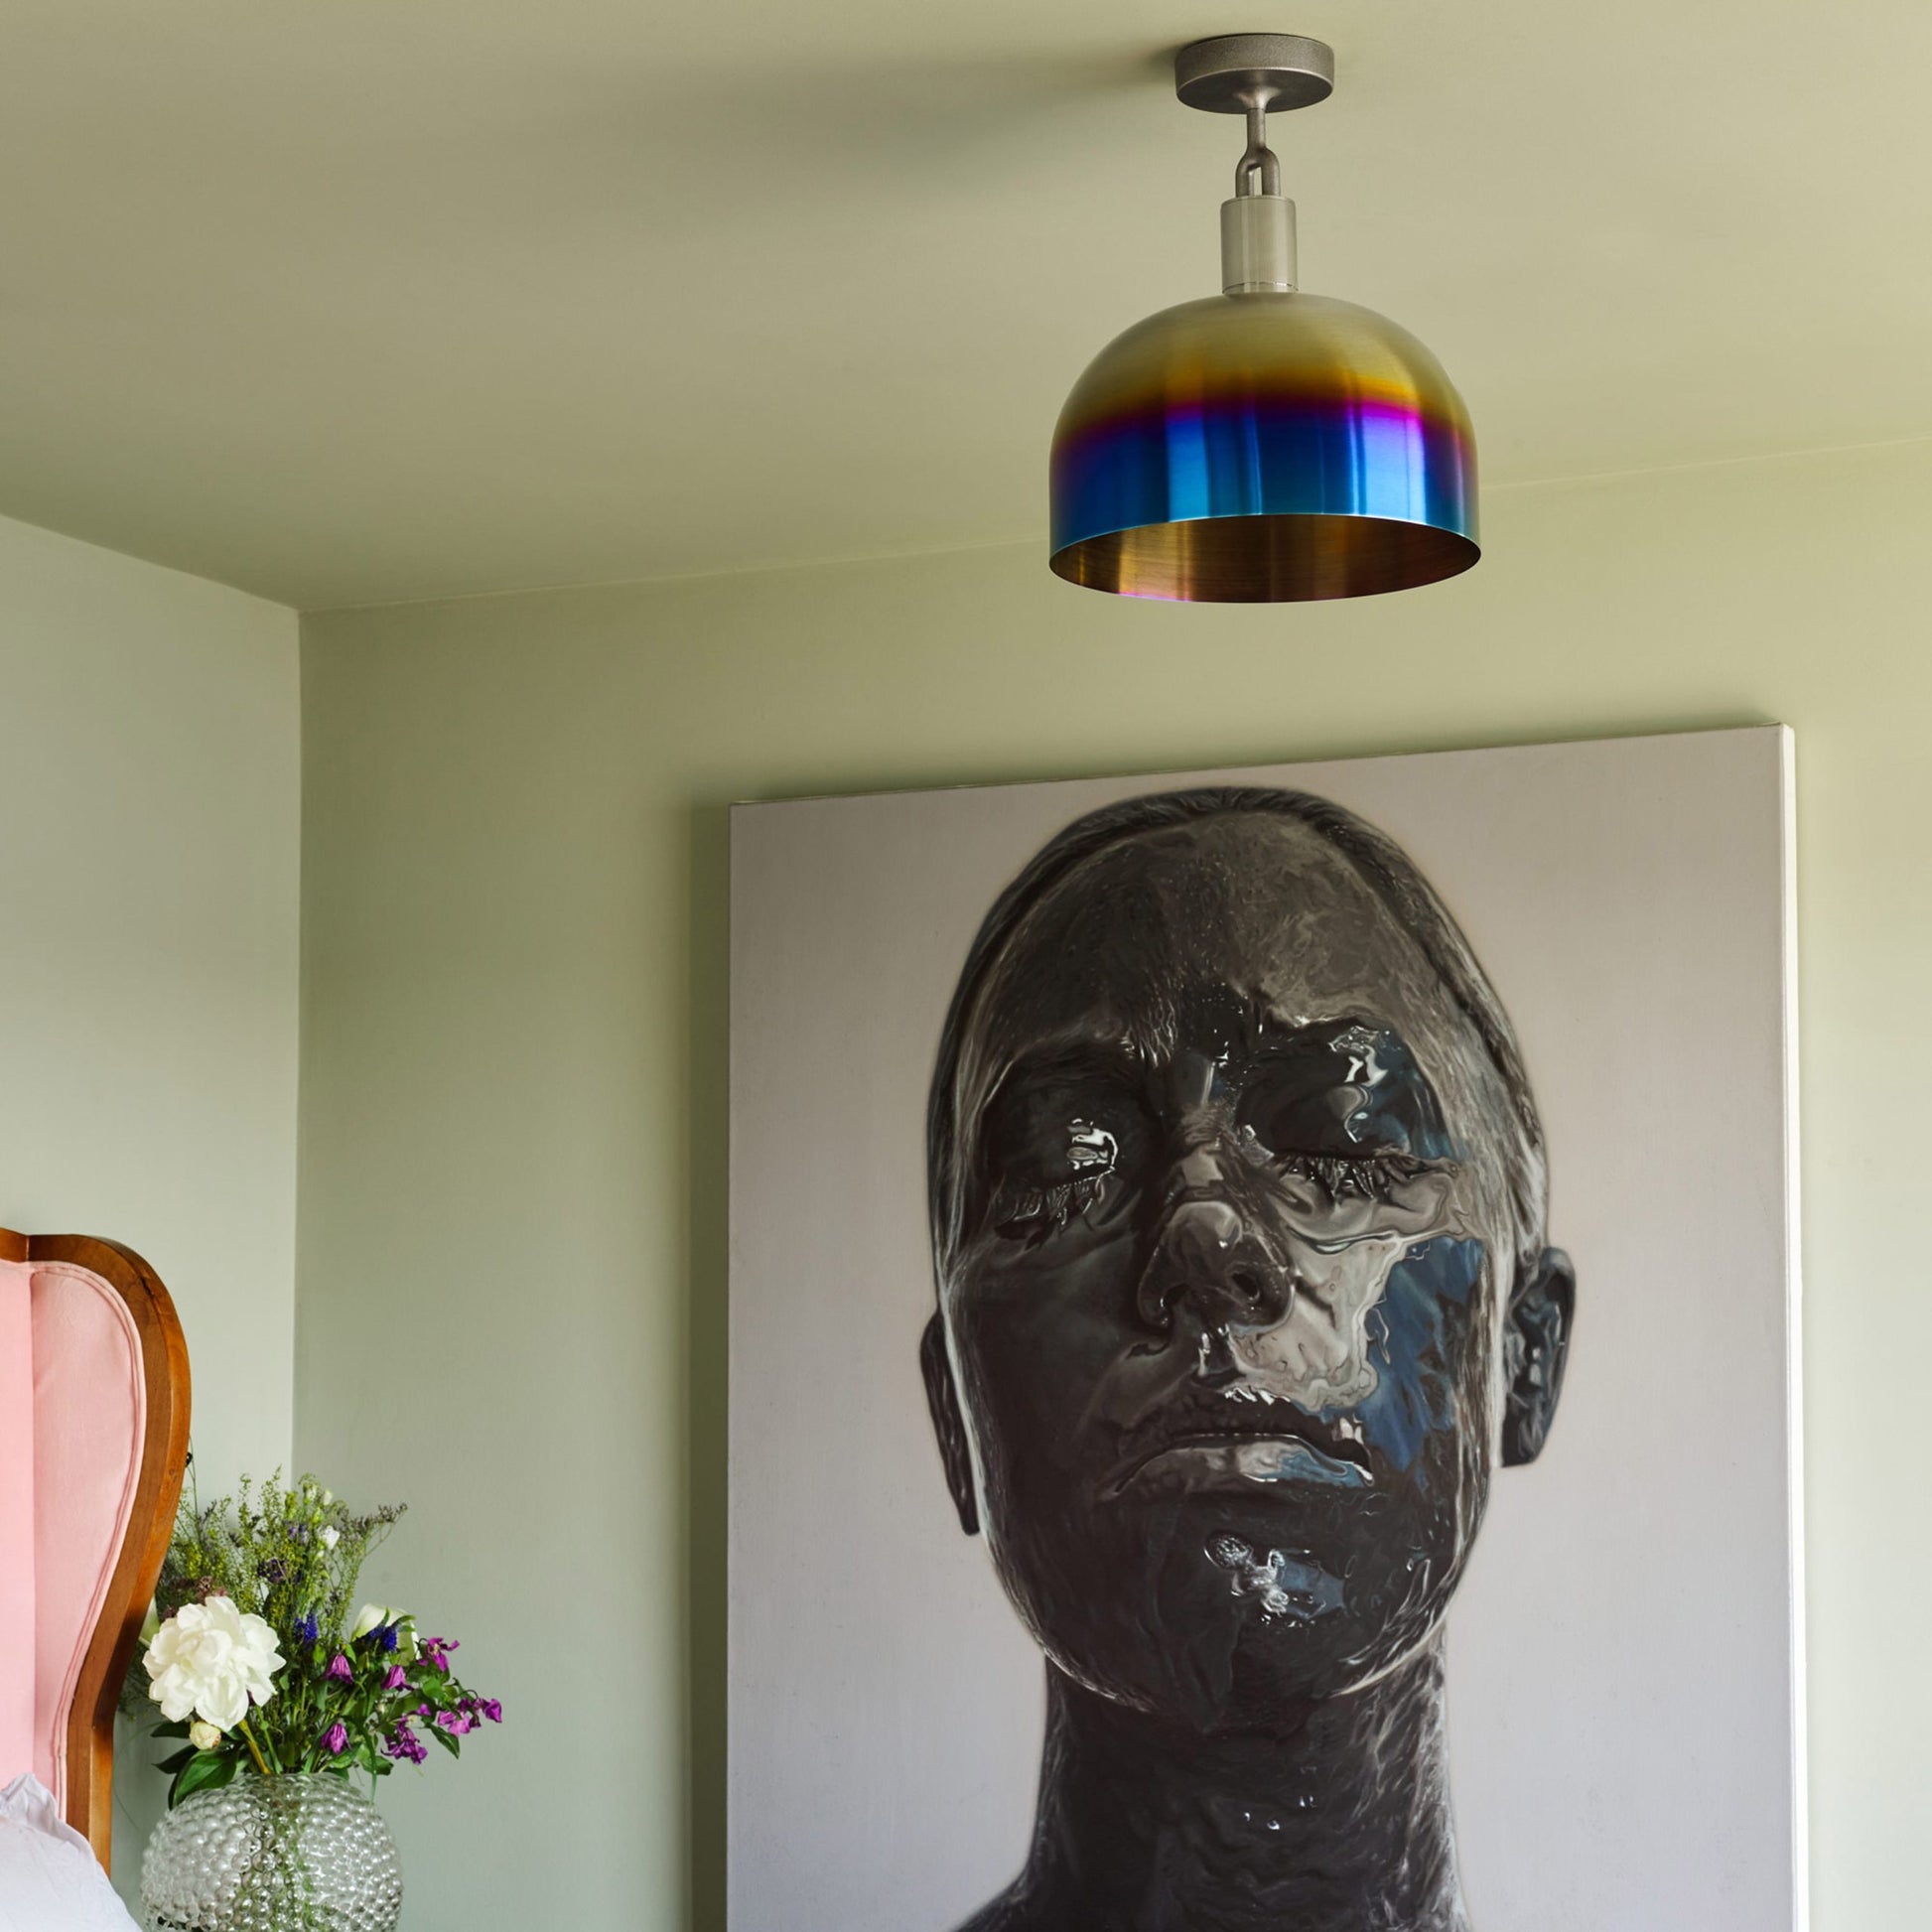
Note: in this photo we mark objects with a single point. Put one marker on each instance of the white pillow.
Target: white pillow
(49, 1881)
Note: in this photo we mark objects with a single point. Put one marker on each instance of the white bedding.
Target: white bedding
(48, 1880)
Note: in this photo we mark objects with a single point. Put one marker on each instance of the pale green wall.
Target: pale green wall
(511, 1229)
(149, 845)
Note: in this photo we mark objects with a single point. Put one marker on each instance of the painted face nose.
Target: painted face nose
(1208, 1261)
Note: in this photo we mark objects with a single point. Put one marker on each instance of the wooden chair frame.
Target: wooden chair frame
(164, 1457)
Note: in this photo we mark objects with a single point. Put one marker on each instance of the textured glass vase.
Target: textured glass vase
(272, 1854)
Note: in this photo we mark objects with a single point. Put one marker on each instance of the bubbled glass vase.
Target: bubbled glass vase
(294, 1854)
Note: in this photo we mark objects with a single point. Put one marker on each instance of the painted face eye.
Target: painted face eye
(1288, 1113)
(1054, 1152)
(1356, 1093)
(1090, 1148)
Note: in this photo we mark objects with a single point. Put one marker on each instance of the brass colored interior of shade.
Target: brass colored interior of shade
(1265, 559)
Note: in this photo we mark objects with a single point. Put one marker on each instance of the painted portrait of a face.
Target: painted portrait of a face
(1177, 1480)
(1244, 1298)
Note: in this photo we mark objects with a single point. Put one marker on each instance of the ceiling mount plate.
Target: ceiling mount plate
(1221, 76)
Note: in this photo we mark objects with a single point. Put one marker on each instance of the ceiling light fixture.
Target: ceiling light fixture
(1261, 445)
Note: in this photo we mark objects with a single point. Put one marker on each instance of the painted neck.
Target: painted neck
(1337, 1824)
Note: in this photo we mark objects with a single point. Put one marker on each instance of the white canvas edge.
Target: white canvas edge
(1794, 1345)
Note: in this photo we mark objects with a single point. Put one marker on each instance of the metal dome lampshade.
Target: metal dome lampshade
(1261, 445)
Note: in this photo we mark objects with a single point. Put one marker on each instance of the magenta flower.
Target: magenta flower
(437, 1650)
(403, 1743)
(493, 1711)
(454, 1723)
(395, 1680)
(340, 1669)
(337, 1738)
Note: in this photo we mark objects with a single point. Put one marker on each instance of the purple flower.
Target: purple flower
(493, 1711)
(437, 1650)
(337, 1738)
(403, 1743)
(396, 1679)
(453, 1722)
(308, 1629)
(341, 1670)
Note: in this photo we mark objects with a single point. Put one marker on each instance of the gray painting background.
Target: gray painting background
(1624, 1733)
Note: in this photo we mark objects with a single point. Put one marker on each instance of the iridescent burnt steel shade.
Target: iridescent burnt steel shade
(1261, 445)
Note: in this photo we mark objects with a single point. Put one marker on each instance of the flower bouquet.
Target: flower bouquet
(277, 1693)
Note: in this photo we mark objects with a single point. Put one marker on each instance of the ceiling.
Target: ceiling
(385, 299)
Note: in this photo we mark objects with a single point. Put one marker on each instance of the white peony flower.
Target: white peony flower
(204, 1737)
(210, 1660)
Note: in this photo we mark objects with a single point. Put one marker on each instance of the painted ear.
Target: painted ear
(1536, 1344)
(942, 1398)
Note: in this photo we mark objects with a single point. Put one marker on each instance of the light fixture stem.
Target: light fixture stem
(1258, 225)
(1258, 172)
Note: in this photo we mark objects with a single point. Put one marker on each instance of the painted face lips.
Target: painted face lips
(1237, 1436)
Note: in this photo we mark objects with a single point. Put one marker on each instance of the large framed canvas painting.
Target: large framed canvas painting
(1262, 1368)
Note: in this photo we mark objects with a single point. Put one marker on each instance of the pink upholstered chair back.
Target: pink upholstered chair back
(93, 1438)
